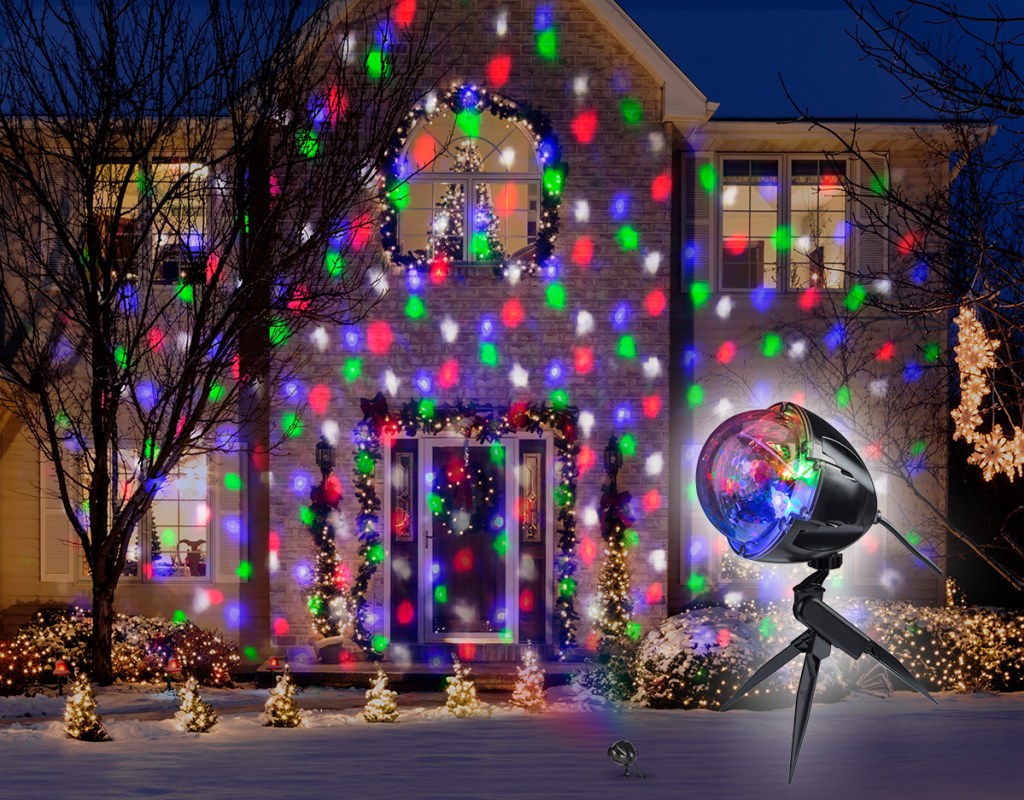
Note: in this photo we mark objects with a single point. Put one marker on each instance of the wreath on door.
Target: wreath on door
(463, 499)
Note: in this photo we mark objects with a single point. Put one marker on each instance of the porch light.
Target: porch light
(612, 455)
(324, 456)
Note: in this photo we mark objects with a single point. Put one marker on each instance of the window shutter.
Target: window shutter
(228, 531)
(872, 215)
(701, 187)
(57, 538)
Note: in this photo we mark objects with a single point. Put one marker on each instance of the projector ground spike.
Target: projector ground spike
(826, 628)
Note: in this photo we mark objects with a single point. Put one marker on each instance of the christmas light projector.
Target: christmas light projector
(782, 485)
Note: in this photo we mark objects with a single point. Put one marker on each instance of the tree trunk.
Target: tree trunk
(102, 631)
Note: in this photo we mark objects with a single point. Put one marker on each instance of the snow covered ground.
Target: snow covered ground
(864, 747)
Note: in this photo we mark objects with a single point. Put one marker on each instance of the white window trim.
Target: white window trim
(783, 215)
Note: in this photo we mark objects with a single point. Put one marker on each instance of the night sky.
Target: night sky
(734, 51)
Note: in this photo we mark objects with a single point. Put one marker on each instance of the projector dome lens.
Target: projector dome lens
(754, 476)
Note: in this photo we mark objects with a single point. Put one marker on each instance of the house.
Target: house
(579, 249)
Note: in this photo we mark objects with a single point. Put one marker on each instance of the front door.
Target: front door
(467, 555)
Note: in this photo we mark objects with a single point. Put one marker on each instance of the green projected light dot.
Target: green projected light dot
(843, 396)
(879, 184)
(335, 263)
(707, 177)
(144, 183)
(353, 369)
(700, 292)
(555, 295)
(279, 332)
(633, 630)
(469, 121)
(479, 246)
(435, 503)
(782, 237)
(121, 356)
(364, 463)
(562, 495)
(251, 653)
(691, 491)
(307, 142)
(505, 636)
(559, 399)
(500, 544)
(696, 583)
(771, 345)
(855, 298)
(379, 643)
(547, 44)
(377, 64)
(244, 570)
(232, 481)
(554, 179)
(918, 447)
(567, 587)
(931, 352)
(307, 516)
(168, 538)
(414, 308)
(695, 395)
(632, 111)
(315, 603)
(179, 617)
(626, 347)
(441, 594)
(489, 354)
(217, 392)
(630, 538)
(627, 445)
(767, 628)
(399, 196)
(913, 537)
(291, 424)
(427, 408)
(185, 293)
(149, 450)
(375, 554)
(628, 238)
(62, 420)
(498, 453)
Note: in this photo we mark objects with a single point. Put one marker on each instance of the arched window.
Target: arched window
(473, 180)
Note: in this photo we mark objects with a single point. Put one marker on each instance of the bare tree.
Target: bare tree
(182, 191)
(957, 243)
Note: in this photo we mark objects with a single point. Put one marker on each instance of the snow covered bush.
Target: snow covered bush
(195, 714)
(693, 660)
(614, 675)
(81, 720)
(462, 701)
(381, 702)
(19, 665)
(140, 650)
(281, 709)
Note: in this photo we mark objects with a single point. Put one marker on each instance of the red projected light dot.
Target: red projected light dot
(910, 242)
(726, 352)
(655, 303)
(405, 10)
(735, 243)
(653, 594)
(808, 298)
(585, 460)
(583, 251)
(464, 560)
(512, 313)
(661, 187)
(319, 398)
(885, 352)
(467, 651)
(584, 126)
(448, 375)
(588, 550)
(439, 270)
(281, 626)
(652, 405)
(526, 600)
(652, 501)
(405, 613)
(498, 70)
(583, 360)
(379, 337)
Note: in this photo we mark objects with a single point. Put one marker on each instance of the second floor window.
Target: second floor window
(783, 223)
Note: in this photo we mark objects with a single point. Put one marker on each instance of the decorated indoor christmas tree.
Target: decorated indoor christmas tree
(195, 714)
(529, 692)
(462, 700)
(81, 721)
(281, 710)
(381, 702)
(485, 235)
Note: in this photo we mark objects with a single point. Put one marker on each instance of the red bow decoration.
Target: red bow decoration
(375, 409)
(327, 493)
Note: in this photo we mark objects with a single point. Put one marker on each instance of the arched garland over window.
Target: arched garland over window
(470, 99)
(485, 424)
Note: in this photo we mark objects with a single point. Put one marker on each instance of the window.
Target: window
(177, 195)
(474, 191)
(179, 524)
(790, 239)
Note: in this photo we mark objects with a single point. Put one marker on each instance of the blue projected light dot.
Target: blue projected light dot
(547, 150)
(912, 372)
(620, 316)
(300, 482)
(555, 372)
(762, 299)
(543, 18)
(835, 337)
(424, 382)
(147, 395)
(623, 414)
(469, 97)
(413, 280)
(291, 388)
(552, 268)
(303, 574)
(620, 206)
(353, 338)
(486, 328)
(920, 273)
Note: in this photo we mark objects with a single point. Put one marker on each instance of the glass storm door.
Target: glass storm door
(466, 554)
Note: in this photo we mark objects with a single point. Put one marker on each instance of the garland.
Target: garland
(485, 425)
(469, 99)
(324, 594)
(975, 355)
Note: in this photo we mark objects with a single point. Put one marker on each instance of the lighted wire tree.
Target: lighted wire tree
(449, 219)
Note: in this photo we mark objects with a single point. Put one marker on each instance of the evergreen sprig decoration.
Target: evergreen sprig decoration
(325, 593)
(485, 424)
(473, 100)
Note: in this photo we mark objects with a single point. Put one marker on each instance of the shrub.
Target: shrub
(19, 666)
